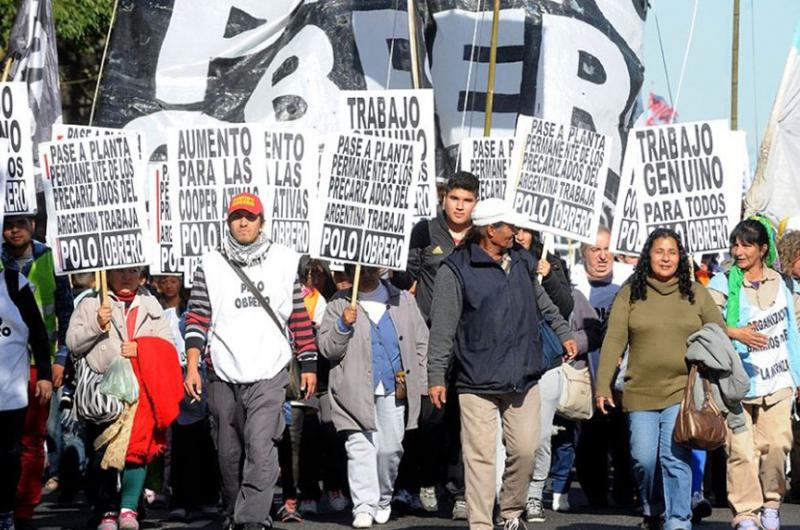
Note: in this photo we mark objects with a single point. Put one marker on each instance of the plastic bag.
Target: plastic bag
(120, 381)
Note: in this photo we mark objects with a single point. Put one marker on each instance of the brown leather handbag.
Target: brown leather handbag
(699, 429)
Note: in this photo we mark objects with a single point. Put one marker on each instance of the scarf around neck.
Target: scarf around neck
(246, 255)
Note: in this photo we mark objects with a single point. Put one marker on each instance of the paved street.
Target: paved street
(73, 516)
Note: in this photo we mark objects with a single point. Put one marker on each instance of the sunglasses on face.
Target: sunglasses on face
(239, 214)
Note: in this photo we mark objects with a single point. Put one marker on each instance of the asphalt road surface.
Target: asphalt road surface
(73, 516)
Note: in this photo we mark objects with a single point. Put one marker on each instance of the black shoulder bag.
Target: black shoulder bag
(293, 391)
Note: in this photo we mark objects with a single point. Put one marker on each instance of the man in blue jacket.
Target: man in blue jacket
(486, 310)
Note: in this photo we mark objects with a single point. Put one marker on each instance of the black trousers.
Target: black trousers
(602, 437)
(299, 454)
(101, 484)
(12, 423)
(194, 471)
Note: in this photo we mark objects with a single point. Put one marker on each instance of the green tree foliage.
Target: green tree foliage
(81, 28)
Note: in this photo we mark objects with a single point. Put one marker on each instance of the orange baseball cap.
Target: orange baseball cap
(247, 202)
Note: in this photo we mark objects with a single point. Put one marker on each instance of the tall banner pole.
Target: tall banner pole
(487, 124)
(103, 62)
(735, 68)
(412, 43)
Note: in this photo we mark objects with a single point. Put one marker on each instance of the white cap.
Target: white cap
(494, 210)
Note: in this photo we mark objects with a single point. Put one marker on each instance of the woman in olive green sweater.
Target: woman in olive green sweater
(653, 315)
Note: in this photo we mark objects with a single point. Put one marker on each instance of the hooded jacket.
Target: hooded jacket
(724, 370)
(350, 355)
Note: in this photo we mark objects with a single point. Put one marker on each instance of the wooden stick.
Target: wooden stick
(548, 243)
(412, 43)
(7, 70)
(356, 281)
(103, 285)
(487, 122)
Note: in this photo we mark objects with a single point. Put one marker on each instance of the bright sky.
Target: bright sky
(705, 93)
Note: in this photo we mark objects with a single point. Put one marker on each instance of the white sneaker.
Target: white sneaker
(362, 520)
(382, 515)
(560, 502)
(427, 497)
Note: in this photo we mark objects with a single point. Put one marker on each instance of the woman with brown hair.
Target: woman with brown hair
(653, 315)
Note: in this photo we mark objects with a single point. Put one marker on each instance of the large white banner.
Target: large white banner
(207, 166)
(403, 115)
(688, 177)
(17, 161)
(94, 189)
(560, 173)
(292, 167)
(365, 206)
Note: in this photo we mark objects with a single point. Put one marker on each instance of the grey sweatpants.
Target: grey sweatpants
(250, 422)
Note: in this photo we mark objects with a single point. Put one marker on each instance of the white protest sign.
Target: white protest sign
(94, 190)
(207, 166)
(364, 211)
(292, 162)
(489, 159)
(3, 154)
(66, 131)
(17, 161)
(688, 177)
(164, 258)
(560, 174)
(402, 115)
(626, 235)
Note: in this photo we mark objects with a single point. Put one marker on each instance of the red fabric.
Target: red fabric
(160, 393)
(130, 320)
(29, 487)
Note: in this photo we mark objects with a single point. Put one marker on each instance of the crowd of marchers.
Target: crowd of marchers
(449, 386)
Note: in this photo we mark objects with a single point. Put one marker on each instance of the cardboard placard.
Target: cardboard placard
(560, 174)
(402, 115)
(292, 162)
(364, 211)
(207, 166)
(489, 159)
(162, 231)
(688, 177)
(627, 236)
(94, 188)
(17, 161)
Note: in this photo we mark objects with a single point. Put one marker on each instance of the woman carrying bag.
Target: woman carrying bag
(760, 307)
(129, 327)
(653, 314)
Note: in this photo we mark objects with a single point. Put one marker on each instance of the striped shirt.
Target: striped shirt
(198, 321)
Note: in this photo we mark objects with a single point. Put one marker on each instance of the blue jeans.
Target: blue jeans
(662, 467)
(698, 470)
(563, 448)
(64, 435)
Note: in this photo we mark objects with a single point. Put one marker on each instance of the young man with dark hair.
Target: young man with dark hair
(434, 239)
(436, 441)
(249, 348)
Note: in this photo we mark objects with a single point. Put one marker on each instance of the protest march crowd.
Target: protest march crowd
(269, 287)
(468, 379)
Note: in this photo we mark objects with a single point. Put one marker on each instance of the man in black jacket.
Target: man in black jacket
(438, 439)
(434, 239)
(486, 311)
